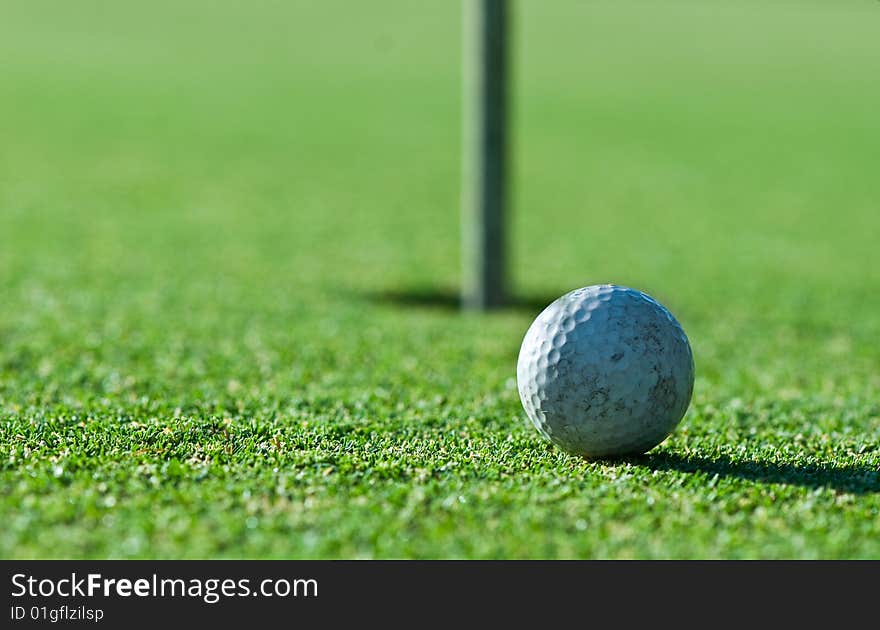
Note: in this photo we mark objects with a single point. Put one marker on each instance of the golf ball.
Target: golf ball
(605, 370)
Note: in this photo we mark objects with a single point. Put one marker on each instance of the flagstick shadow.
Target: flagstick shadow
(448, 299)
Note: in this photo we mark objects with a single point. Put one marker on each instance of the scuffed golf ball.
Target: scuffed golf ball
(605, 370)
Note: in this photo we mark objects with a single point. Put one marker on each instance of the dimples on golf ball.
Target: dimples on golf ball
(605, 370)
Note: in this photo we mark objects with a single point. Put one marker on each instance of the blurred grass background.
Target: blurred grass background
(203, 204)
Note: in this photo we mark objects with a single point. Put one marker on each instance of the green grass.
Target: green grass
(205, 210)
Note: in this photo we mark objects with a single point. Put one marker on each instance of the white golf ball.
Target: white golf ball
(605, 370)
